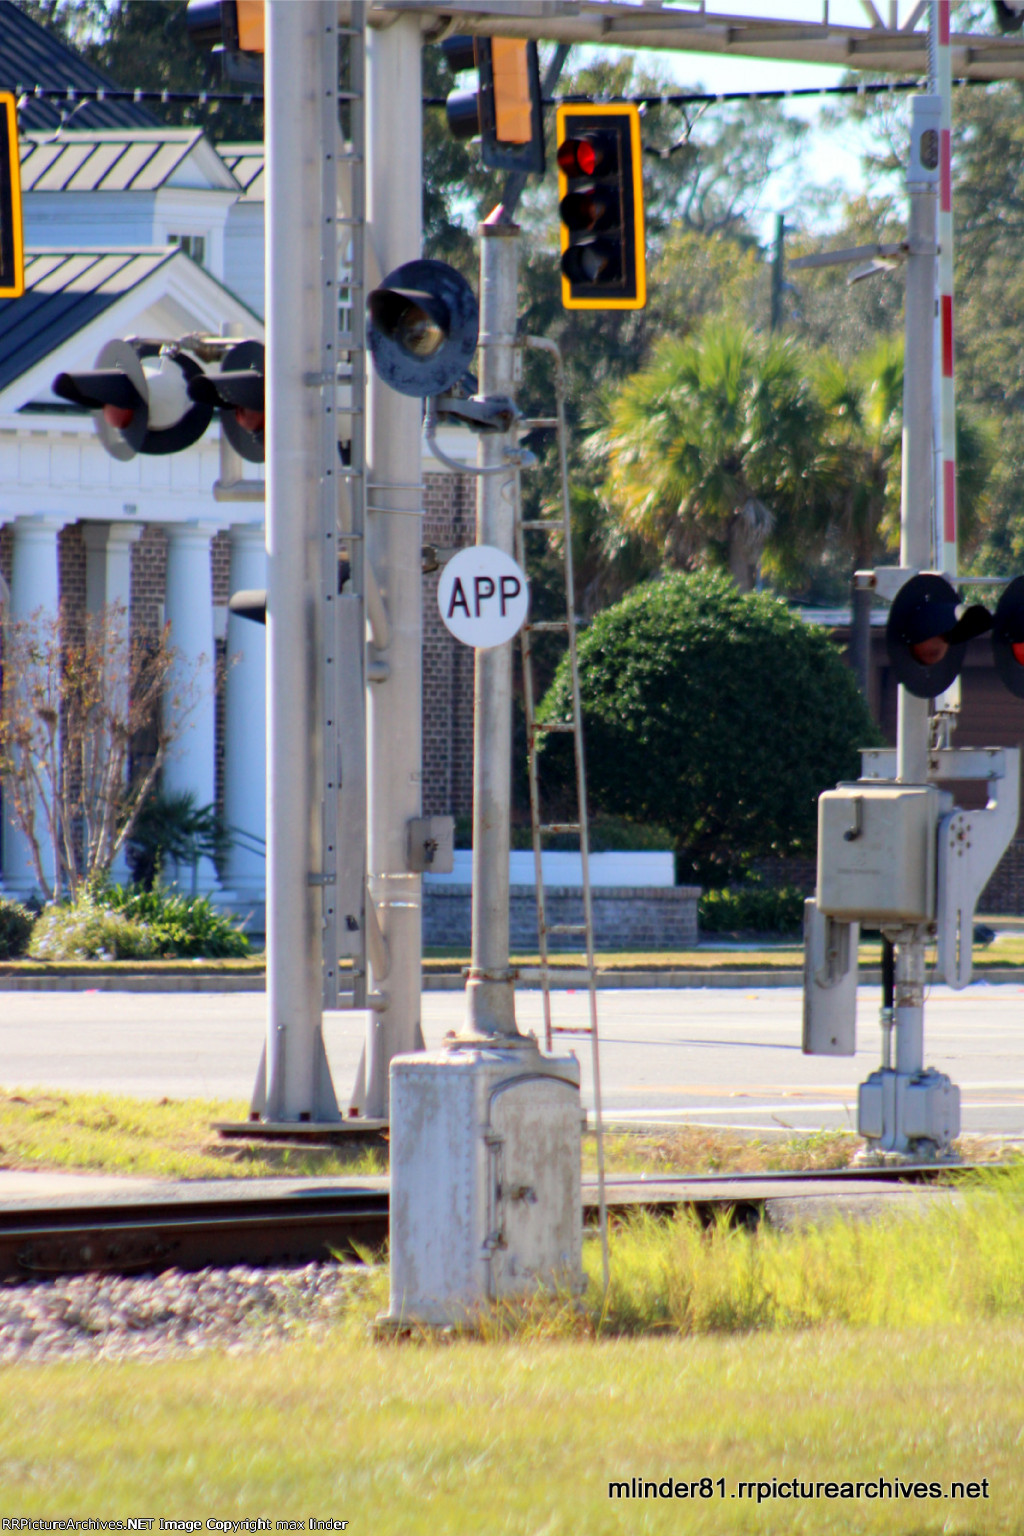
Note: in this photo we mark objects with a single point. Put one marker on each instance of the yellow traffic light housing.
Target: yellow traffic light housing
(12, 248)
(601, 207)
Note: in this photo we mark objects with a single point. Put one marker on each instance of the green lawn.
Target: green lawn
(833, 1355)
(524, 1438)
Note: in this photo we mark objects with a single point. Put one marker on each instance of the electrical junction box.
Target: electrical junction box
(877, 852)
(486, 1200)
(431, 845)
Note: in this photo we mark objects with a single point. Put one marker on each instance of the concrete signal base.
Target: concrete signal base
(486, 1201)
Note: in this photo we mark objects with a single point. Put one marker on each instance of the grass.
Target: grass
(172, 1138)
(845, 1353)
(702, 1149)
(522, 1439)
(1007, 949)
(166, 1138)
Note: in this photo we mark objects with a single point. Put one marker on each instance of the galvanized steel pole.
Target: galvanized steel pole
(297, 1084)
(394, 514)
(490, 991)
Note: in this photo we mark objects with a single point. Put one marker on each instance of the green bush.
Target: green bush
(88, 930)
(184, 927)
(718, 714)
(15, 929)
(752, 909)
(130, 923)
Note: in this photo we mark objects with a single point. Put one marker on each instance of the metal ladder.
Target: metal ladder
(343, 512)
(535, 731)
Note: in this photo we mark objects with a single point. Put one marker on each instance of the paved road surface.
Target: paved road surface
(709, 1056)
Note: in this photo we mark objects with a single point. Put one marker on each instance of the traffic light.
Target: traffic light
(601, 207)
(423, 324)
(237, 391)
(139, 395)
(12, 256)
(228, 26)
(505, 111)
(927, 633)
(1008, 636)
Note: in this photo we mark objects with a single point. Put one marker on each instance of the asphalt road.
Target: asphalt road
(713, 1056)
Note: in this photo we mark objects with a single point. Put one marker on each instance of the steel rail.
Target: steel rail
(46, 1241)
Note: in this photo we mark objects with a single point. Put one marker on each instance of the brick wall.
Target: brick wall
(149, 578)
(655, 917)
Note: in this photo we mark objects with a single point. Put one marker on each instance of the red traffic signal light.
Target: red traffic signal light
(927, 633)
(600, 188)
(139, 394)
(237, 391)
(505, 110)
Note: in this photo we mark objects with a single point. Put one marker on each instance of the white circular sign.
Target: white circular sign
(483, 596)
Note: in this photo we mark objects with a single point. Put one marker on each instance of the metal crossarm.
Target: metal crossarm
(535, 730)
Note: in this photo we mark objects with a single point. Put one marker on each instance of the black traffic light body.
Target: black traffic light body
(505, 110)
(139, 395)
(237, 391)
(927, 633)
(601, 207)
(12, 252)
(423, 325)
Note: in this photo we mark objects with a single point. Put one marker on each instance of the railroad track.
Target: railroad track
(43, 1241)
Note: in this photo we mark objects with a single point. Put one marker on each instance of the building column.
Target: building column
(35, 586)
(108, 584)
(189, 700)
(245, 743)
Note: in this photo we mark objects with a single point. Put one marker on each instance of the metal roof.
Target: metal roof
(118, 160)
(245, 162)
(31, 56)
(64, 293)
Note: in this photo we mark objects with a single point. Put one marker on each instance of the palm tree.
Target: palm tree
(864, 404)
(714, 452)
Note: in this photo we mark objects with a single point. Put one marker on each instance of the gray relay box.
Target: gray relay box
(877, 852)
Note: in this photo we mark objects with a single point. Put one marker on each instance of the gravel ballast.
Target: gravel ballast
(173, 1313)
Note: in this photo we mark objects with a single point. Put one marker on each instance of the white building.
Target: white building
(127, 234)
(153, 232)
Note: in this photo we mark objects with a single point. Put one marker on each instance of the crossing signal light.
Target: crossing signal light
(12, 253)
(505, 111)
(237, 391)
(601, 207)
(423, 324)
(139, 395)
(927, 633)
(1008, 636)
